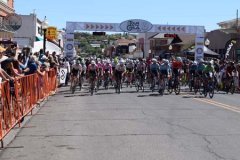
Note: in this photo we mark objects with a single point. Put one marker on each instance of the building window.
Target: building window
(40, 31)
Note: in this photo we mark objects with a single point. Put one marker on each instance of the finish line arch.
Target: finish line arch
(133, 26)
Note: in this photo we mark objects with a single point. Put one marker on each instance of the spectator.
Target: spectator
(11, 66)
(51, 61)
(67, 66)
(31, 67)
(3, 75)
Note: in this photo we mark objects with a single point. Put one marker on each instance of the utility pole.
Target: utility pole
(237, 22)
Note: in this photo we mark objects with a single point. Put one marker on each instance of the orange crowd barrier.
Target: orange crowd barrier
(18, 101)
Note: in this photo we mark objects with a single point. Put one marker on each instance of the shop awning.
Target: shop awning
(37, 38)
(206, 51)
(51, 47)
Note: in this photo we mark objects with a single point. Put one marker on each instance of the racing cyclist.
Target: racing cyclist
(75, 72)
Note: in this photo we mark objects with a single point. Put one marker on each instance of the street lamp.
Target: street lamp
(44, 28)
(207, 42)
(170, 49)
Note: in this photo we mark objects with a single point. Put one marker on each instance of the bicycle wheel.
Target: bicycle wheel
(196, 88)
(205, 91)
(73, 89)
(143, 89)
(142, 86)
(232, 89)
(211, 92)
(161, 88)
(177, 89)
(106, 83)
(92, 89)
(170, 88)
(80, 85)
(153, 85)
(190, 85)
(118, 88)
(137, 85)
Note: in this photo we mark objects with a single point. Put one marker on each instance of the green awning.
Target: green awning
(38, 38)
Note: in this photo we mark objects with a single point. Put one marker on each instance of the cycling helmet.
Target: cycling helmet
(179, 59)
(121, 62)
(154, 60)
(166, 62)
(93, 62)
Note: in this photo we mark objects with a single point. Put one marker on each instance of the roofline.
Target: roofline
(228, 21)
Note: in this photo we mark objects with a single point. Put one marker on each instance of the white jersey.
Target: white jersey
(130, 65)
(120, 68)
(77, 67)
(141, 67)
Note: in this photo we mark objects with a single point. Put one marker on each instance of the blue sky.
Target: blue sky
(172, 12)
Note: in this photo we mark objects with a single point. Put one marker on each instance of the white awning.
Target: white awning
(206, 51)
(51, 47)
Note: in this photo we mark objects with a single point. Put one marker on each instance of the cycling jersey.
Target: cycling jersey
(176, 65)
(208, 69)
(92, 70)
(141, 67)
(76, 69)
(200, 67)
(129, 67)
(164, 67)
(154, 67)
(193, 67)
(120, 68)
(107, 68)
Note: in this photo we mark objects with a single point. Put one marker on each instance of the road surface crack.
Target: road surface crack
(204, 137)
(210, 150)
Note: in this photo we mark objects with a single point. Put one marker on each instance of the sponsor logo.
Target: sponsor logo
(136, 26)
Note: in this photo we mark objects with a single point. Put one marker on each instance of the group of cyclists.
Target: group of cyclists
(156, 74)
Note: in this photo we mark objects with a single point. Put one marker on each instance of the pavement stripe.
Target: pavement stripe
(225, 106)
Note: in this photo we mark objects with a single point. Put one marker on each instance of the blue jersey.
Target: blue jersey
(193, 67)
(200, 67)
(154, 67)
(164, 67)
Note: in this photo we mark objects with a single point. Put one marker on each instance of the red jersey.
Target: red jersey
(176, 65)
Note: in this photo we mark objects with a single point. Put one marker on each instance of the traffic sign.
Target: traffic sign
(51, 33)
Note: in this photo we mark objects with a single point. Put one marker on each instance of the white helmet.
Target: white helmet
(121, 61)
(166, 61)
(154, 60)
(93, 62)
(179, 59)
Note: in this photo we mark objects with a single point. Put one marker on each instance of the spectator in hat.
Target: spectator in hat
(3, 75)
(11, 66)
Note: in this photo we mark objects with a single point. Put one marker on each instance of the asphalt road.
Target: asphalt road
(130, 126)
